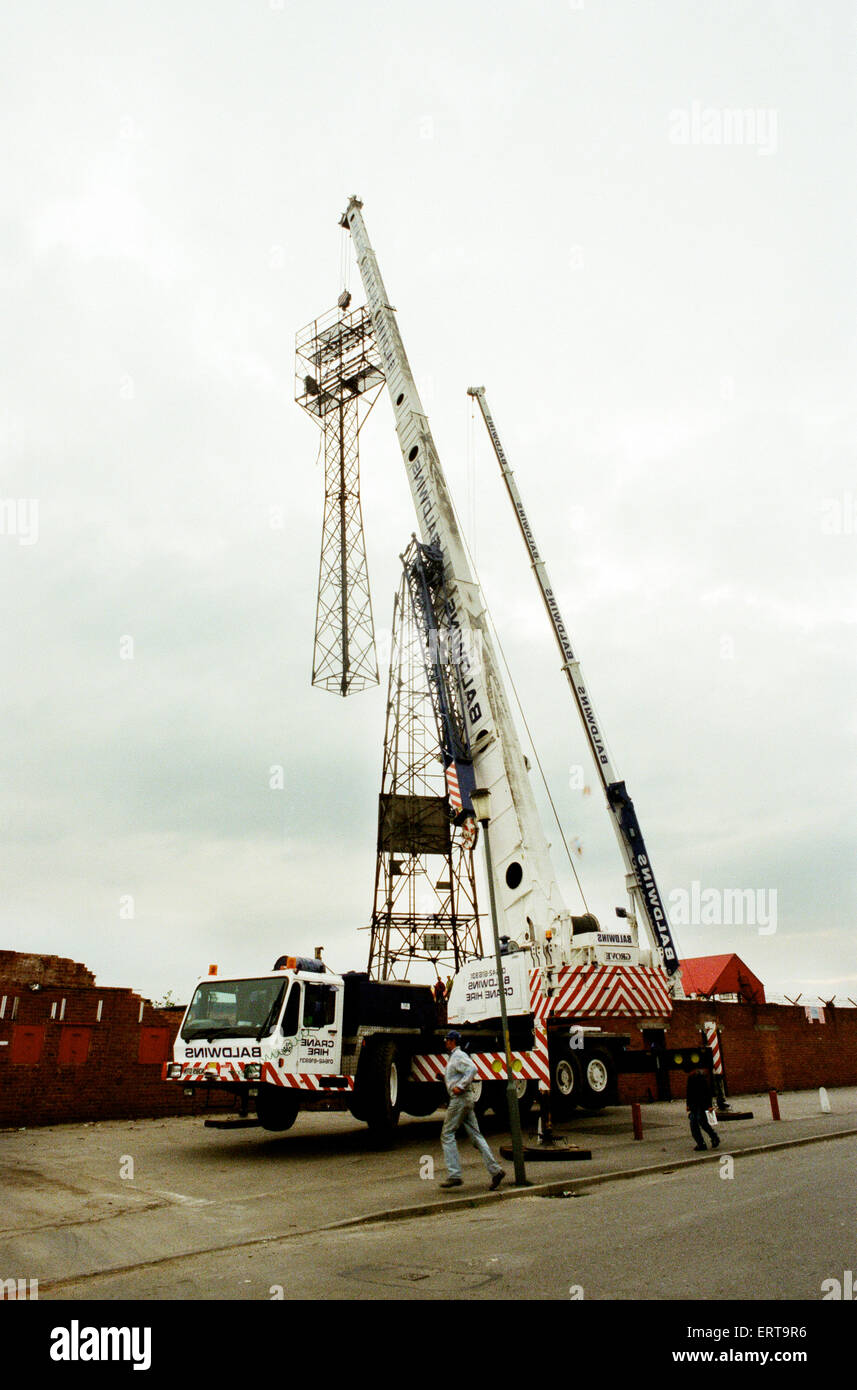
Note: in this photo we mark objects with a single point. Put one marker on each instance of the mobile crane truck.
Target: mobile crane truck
(303, 1037)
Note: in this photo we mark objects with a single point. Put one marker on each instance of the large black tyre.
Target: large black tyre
(598, 1079)
(356, 1107)
(277, 1109)
(498, 1098)
(528, 1092)
(382, 1084)
(422, 1098)
(566, 1082)
(494, 1098)
(481, 1097)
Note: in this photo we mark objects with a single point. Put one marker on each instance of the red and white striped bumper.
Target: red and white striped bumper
(230, 1072)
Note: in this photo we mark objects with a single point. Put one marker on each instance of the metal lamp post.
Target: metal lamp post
(481, 801)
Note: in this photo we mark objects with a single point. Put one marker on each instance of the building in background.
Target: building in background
(72, 1050)
(721, 977)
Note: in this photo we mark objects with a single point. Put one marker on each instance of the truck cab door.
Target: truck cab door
(320, 1036)
(289, 1031)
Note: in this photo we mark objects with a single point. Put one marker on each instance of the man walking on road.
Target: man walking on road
(460, 1071)
(698, 1102)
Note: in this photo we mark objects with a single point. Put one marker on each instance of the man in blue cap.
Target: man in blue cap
(460, 1071)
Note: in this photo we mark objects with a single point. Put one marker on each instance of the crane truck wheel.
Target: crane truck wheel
(493, 1098)
(567, 1084)
(421, 1098)
(277, 1110)
(383, 1085)
(498, 1097)
(481, 1091)
(598, 1080)
(527, 1092)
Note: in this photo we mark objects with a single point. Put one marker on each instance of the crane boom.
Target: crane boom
(531, 906)
(640, 875)
(323, 1041)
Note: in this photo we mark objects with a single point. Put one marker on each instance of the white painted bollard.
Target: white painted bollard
(824, 1100)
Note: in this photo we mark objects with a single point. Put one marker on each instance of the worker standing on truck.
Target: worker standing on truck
(439, 993)
(460, 1071)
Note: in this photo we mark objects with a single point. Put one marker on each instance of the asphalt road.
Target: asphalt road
(775, 1230)
(167, 1210)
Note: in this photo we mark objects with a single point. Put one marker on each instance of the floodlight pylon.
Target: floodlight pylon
(338, 376)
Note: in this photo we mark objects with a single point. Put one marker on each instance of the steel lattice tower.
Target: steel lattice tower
(425, 906)
(338, 377)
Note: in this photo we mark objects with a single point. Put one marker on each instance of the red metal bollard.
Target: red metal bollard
(775, 1105)
(637, 1117)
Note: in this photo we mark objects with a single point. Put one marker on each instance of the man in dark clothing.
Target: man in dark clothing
(698, 1101)
(440, 1002)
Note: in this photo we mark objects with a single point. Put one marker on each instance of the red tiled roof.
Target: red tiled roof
(708, 975)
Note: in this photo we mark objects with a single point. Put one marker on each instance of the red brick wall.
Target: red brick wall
(764, 1047)
(17, 968)
(102, 1076)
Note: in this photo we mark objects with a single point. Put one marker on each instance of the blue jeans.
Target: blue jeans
(460, 1115)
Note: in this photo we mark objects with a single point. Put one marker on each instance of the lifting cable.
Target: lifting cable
(470, 476)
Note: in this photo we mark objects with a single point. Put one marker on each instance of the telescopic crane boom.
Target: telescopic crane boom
(640, 878)
(528, 895)
(530, 904)
(300, 1036)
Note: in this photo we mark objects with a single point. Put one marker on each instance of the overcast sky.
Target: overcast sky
(664, 319)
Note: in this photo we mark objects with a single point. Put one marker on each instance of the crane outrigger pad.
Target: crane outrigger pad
(543, 1153)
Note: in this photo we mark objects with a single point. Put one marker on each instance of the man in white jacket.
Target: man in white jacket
(460, 1071)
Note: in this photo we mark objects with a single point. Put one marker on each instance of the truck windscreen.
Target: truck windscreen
(234, 1008)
